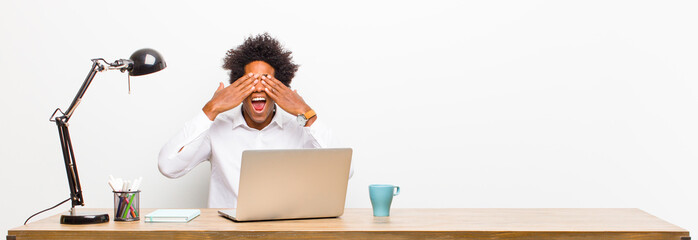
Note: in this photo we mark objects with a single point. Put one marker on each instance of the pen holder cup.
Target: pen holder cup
(127, 206)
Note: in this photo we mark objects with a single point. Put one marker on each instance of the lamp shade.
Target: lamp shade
(146, 61)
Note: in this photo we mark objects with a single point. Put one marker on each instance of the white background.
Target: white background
(473, 104)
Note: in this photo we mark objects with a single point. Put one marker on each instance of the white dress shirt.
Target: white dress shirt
(222, 141)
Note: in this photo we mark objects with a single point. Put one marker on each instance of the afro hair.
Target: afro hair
(261, 48)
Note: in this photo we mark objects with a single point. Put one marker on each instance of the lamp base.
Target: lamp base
(84, 218)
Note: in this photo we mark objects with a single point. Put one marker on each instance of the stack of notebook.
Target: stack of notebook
(172, 215)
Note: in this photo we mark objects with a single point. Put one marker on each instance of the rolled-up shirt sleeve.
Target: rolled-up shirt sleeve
(195, 145)
(319, 136)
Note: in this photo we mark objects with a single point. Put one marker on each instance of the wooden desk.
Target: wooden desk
(402, 224)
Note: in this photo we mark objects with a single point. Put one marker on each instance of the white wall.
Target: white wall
(463, 104)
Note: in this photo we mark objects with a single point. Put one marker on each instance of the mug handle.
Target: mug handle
(398, 191)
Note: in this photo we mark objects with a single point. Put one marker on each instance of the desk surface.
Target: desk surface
(484, 223)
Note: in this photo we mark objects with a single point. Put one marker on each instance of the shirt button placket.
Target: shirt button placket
(258, 141)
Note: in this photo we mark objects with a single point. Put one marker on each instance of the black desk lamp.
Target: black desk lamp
(141, 62)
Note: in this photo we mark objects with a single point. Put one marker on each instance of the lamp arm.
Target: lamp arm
(96, 67)
(71, 167)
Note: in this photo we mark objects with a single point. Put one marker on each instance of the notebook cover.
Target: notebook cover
(172, 215)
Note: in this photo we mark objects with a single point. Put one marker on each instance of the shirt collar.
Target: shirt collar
(238, 120)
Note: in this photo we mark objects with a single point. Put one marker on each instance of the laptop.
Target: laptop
(292, 184)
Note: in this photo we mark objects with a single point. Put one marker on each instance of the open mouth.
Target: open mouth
(258, 103)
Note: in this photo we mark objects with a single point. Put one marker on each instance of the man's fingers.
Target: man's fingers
(278, 83)
(270, 90)
(268, 87)
(273, 83)
(249, 91)
(246, 91)
(271, 94)
(248, 84)
(241, 94)
(242, 79)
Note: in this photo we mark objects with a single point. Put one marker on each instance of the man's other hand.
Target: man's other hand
(289, 100)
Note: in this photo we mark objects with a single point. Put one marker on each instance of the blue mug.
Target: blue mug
(382, 197)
